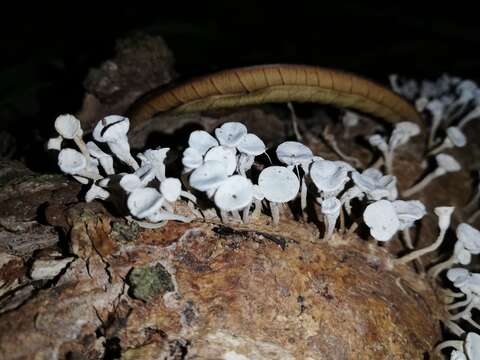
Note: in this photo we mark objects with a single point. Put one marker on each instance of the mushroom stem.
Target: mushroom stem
(330, 222)
(433, 130)
(388, 156)
(461, 304)
(446, 144)
(236, 215)
(188, 196)
(472, 322)
(342, 220)
(293, 115)
(257, 208)
(424, 182)
(83, 148)
(456, 344)
(465, 313)
(224, 216)
(434, 271)
(246, 214)
(303, 194)
(416, 254)
(274, 209)
(454, 328)
(407, 239)
(330, 140)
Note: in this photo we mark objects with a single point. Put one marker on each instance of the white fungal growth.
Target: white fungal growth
(328, 177)
(235, 193)
(171, 188)
(230, 134)
(331, 210)
(73, 162)
(208, 176)
(225, 155)
(201, 141)
(382, 220)
(455, 138)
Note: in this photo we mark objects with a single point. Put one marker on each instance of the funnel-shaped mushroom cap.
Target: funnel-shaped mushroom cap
(331, 206)
(171, 189)
(231, 133)
(382, 220)
(408, 212)
(192, 158)
(457, 355)
(376, 185)
(378, 141)
(257, 193)
(402, 132)
(251, 144)
(130, 182)
(278, 184)
(472, 346)
(469, 237)
(328, 176)
(235, 193)
(68, 126)
(456, 136)
(224, 154)
(437, 108)
(143, 202)
(111, 128)
(201, 141)
(458, 276)
(447, 162)
(155, 157)
(208, 176)
(71, 161)
(294, 153)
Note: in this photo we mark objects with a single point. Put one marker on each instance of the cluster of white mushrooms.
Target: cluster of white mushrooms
(225, 170)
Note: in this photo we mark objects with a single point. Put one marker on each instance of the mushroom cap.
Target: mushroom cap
(257, 193)
(456, 136)
(154, 157)
(402, 132)
(382, 220)
(171, 189)
(95, 151)
(55, 143)
(225, 155)
(469, 237)
(350, 118)
(294, 153)
(331, 206)
(71, 161)
(192, 158)
(130, 182)
(235, 193)
(444, 214)
(208, 176)
(408, 212)
(230, 133)
(458, 276)
(457, 355)
(201, 141)
(111, 128)
(68, 126)
(472, 346)
(143, 202)
(278, 184)
(448, 163)
(328, 176)
(251, 144)
(96, 192)
(378, 141)
(436, 108)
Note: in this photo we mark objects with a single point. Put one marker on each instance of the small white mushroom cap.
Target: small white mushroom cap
(55, 143)
(402, 132)
(171, 189)
(192, 158)
(251, 144)
(96, 192)
(350, 119)
(110, 128)
(68, 126)
(130, 182)
(201, 141)
(235, 193)
(469, 237)
(257, 193)
(294, 153)
(155, 158)
(456, 136)
(408, 212)
(373, 183)
(230, 133)
(226, 155)
(331, 206)
(458, 276)
(457, 355)
(461, 254)
(382, 220)
(436, 108)
(447, 163)
(472, 346)
(278, 184)
(71, 161)
(143, 202)
(379, 142)
(208, 176)
(328, 176)
(444, 214)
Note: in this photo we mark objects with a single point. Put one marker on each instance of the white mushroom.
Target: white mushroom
(470, 347)
(153, 161)
(382, 220)
(131, 182)
(235, 193)
(331, 210)
(278, 185)
(113, 131)
(96, 192)
(455, 138)
(208, 176)
(55, 143)
(437, 109)
(230, 133)
(376, 185)
(250, 146)
(106, 161)
(201, 141)
(401, 133)
(444, 214)
(408, 212)
(73, 162)
(225, 155)
(192, 159)
(171, 189)
(446, 164)
(379, 142)
(328, 177)
(69, 127)
(143, 202)
(474, 114)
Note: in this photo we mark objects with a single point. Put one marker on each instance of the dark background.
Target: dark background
(47, 51)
